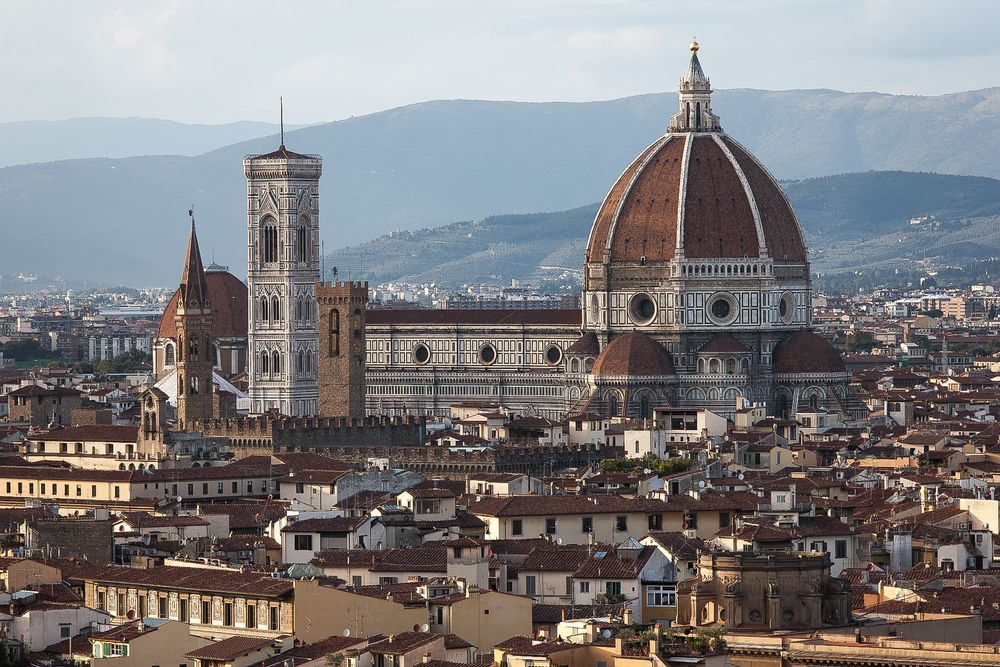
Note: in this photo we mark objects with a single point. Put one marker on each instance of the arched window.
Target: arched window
(697, 115)
(275, 309)
(168, 355)
(180, 385)
(194, 385)
(814, 401)
(263, 309)
(309, 361)
(264, 359)
(333, 335)
(613, 406)
(298, 309)
(299, 362)
(269, 242)
(216, 357)
(180, 348)
(275, 362)
(730, 366)
(644, 411)
(193, 350)
(713, 366)
(302, 245)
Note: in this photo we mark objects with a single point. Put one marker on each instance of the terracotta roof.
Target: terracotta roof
(243, 516)
(35, 390)
(307, 652)
(585, 345)
(723, 342)
(640, 215)
(402, 642)
(806, 352)
(190, 579)
(633, 354)
(282, 153)
(678, 544)
(228, 296)
(521, 317)
(230, 648)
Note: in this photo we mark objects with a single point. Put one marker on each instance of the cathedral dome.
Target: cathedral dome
(695, 193)
(633, 354)
(806, 352)
(228, 298)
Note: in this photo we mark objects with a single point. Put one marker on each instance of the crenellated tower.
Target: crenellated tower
(282, 272)
(193, 321)
(342, 355)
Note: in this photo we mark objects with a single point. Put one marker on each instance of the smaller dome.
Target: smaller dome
(633, 354)
(806, 352)
(585, 345)
(722, 343)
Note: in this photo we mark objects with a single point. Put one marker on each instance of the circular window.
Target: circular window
(553, 355)
(722, 309)
(786, 308)
(787, 615)
(755, 616)
(421, 354)
(487, 354)
(642, 309)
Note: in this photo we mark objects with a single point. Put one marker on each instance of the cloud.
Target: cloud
(225, 60)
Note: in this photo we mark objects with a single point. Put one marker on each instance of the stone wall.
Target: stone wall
(76, 538)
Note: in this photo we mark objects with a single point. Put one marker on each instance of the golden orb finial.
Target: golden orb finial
(694, 44)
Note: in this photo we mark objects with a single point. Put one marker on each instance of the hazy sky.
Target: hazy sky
(218, 61)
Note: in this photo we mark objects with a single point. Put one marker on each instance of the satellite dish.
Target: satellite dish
(179, 498)
(606, 633)
(558, 540)
(741, 476)
(701, 484)
(424, 627)
(346, 632)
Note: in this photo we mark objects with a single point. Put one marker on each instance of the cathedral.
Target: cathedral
(696, 294)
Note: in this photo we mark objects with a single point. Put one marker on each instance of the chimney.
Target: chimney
(427, 657)
(627, 616)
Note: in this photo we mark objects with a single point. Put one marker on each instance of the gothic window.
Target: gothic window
(269, 242)
(644, 411)
(263, 309)
(299, 362)
(193, 351)
(613, 406)
(168, 355)
(697, 115)
(275, 309)
(216, 357)
(333, 335)
(194, 386)
(298, 309)
(264, 358)
(180, 348)
(814, 402)
(309, 361)
(302, 244)
(276, 363)
(152, 422)
(180, 385)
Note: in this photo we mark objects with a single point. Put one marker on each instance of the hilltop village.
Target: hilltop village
(697, 462)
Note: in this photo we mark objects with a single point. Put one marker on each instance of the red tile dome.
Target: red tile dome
(633, 354)
(806, 352)
(228, 298)
(702, 193)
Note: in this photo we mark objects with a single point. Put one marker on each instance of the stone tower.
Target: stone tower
(341, 358)
(193, 321)
(282, 272)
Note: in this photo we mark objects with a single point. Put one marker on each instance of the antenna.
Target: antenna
(281, 118)
(191, 213)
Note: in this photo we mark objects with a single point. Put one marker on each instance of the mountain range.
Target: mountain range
(123, 219)
(872, 221)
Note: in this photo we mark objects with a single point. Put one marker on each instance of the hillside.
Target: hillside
(432, 163)
(852, 222)
(26, 142)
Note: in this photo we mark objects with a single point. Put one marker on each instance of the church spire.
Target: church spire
(695, 97)
(194, 288)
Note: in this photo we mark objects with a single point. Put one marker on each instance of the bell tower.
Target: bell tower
(193, 321)
(282, 272)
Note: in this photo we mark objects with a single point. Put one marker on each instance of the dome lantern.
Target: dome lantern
(695, 91)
